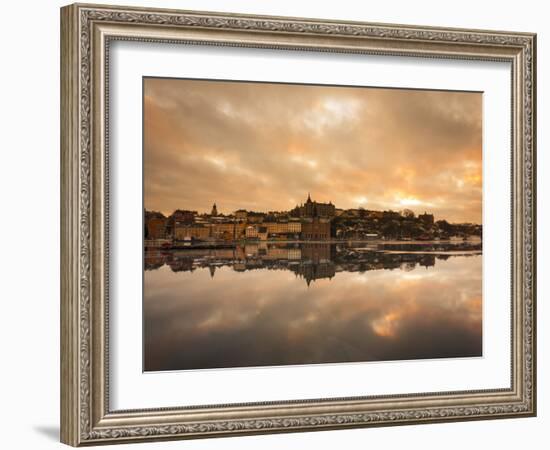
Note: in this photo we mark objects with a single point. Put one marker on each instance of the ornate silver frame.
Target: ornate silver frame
(86, 32)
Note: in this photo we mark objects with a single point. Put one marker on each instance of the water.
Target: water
(269, 305)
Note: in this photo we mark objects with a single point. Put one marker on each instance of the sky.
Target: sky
(265, 146)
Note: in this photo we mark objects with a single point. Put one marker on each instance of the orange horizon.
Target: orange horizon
(263, 147)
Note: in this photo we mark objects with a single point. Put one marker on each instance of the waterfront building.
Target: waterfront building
(227, 230)
(251, 232)
(294, 226)
(183, 216)
(184, 232)
(315, 228)
(179, 217)
(155, 227)
(255, 217)
(276, 227)
(240, 229)
(311, 208)
(428, 219)
(241, 214)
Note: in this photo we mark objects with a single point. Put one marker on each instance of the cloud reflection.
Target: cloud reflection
(270, 317)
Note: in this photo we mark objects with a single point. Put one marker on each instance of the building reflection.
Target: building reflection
(310, 261)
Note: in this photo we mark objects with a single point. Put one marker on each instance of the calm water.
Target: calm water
(266, 305)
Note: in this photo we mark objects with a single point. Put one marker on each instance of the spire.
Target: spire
(308, 198)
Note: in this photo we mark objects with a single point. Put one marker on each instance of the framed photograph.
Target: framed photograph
(276, 224)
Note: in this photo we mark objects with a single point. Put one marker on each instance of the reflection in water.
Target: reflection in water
(283, 304)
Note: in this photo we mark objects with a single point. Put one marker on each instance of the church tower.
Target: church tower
(214, 210)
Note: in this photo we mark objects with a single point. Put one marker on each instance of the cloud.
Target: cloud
(276, 319)
(264, 146)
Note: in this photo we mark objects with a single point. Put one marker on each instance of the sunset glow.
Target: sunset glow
(257, 145)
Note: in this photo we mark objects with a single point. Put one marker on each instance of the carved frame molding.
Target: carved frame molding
(86, 32)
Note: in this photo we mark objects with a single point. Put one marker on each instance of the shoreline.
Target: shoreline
(182, 245)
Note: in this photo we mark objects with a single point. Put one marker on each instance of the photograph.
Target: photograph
(294, 224)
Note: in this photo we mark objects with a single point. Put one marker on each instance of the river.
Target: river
(284, 304)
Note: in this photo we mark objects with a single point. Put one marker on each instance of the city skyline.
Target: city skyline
(207, 211)
(262, 147)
